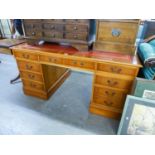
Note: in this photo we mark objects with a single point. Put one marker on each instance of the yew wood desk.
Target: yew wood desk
(44, 68)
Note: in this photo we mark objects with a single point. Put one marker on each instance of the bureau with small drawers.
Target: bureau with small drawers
(80, 33)
(42, 68)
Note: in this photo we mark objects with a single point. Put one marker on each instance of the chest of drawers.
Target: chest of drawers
(80, 33)
(116, 35)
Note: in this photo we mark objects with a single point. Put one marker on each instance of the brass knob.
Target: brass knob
(33, 33)
(75, 36)
(31, 76)
(74, 62)
(33, 85)
(75, 28)
(81, 63)
(28, 67)
(108, 103)
(26, 56)
(52, 27)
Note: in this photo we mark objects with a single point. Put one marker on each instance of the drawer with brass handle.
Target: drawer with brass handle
(33, 85)
(23, 65)
(34, 33)
(76, 28)
(56, 27)
(51, 59)
(80, 64)
(52, 34)
(31, 76)
(117, 97)
(109, 80)
(117, 69)
(25, 55)
(77, 36)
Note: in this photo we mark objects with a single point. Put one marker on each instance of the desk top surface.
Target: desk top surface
(70, 51)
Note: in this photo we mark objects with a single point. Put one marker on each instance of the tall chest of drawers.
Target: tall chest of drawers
(79, 33)
(116, 35)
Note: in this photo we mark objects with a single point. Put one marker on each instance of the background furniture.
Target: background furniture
(80, 33)
(116, 35)
(113, 73)
(146, 52)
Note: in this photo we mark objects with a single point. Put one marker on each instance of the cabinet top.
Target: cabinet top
(62, 50)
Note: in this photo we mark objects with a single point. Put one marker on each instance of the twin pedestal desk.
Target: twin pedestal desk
(44, 68)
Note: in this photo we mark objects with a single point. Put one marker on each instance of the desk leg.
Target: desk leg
(15, 79)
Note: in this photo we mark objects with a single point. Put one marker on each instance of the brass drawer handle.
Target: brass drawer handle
(29, 67)
(81, 63)
(112, 83)
(31, 76)
(116, 32)
(75, 28)
(75, 36)
(108, 103)
(26, 56)
(110, 94)
(74, 62)
(33, 85)
(33, 33)
(52, 59)
(116, 70)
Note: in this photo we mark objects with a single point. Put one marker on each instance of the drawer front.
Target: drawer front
(52, 20)
(124, 32)
(80, 64)
(117, 69)
(109, 97)
(52, 34)
(84, 21)
(34, 33)
(53, 27)
(31, 20)
(33, 26)
(25, 55)
(113, 81)
(51, 59)
(76, 36)
(33, 85)
(29, 66)
(76, 28)
(31, 76)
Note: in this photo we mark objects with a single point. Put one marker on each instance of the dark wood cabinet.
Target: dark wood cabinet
(79, 33)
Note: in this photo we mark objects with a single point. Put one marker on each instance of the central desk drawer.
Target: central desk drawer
(33, 85)
(51, 59)
(113, 81)
(80, 64)
(109, 97)
(31, 76)
(25, 55)
(29, 66)
(76, 36)
(117, 69)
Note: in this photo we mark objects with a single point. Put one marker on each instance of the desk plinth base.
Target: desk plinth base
(45, 95)
(98, 111)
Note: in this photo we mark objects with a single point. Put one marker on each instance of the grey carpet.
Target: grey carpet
(66, 112)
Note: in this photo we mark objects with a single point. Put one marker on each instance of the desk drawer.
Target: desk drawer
(29, 66)
(117, 69)
(80, 64)
(25, 55)
(51, 59)
(109, 97)
(33, 85)
(110, 81)
(81, 21)
(31, 76)
(53, 20)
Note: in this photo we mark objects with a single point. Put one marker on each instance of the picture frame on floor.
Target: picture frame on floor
(144, 88)
(138, 117)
